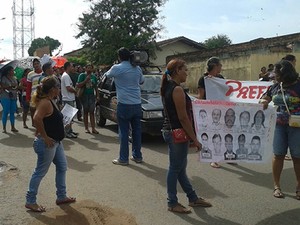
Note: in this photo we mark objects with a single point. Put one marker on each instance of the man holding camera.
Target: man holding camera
(127, 78)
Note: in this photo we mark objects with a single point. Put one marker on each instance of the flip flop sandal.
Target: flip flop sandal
(298, 194)
(178, 208)
(67, 200)
(278, 193)
(87, 131)
(35, 208)
(286, 157)
(95, 132)
(200, 202)
(215, 165)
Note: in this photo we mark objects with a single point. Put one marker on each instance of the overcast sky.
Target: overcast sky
(240, 20)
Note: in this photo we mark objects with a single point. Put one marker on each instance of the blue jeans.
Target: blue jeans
(130, 115)
(177, 170)
(286, 137)
(46, 156)
(9, 107)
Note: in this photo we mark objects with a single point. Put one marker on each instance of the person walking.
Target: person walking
(285, 94)
(178, 114)
(88, 81)
(127, 78)
(8, 97)
(47, 144)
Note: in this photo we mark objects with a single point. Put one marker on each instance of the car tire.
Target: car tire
(100, 120)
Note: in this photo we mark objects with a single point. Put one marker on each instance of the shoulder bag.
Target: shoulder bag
(294, 120)
(179, 135)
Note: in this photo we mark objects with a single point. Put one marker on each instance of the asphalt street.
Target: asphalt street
(240, 194)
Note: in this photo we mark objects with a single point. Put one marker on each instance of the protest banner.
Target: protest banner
(233, 131)
(234, 90)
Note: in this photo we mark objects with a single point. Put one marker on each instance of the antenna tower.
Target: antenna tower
(23, 25)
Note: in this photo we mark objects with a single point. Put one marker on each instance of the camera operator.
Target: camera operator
(128, 77)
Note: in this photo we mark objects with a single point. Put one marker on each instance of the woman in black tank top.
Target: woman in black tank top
(47, 145)
(177, 108)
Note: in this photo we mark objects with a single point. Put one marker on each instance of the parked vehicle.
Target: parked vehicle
(152, 107)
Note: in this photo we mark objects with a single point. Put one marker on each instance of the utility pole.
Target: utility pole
(23, 26)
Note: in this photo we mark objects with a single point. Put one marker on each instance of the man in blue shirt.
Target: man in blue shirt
(127, 78)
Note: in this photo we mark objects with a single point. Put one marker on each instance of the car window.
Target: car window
(151, 84)
(107, 85)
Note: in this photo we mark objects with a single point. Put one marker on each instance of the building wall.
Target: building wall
(244, 65)
(170, 49)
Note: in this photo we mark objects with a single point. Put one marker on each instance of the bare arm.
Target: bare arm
(201, 93)
(43, 109)
(180, 104)
(87, 79)
(71, 89)
(265, 100)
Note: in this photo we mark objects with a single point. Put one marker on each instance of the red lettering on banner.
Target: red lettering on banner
(231, 88)
(246, 92)
(243, 92)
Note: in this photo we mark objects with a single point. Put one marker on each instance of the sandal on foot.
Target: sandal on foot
(200, 202)
(66, 200)
(298, 194)
(87, 131)
(25, 126)
(95, 132)
(278, 193)
(35, 208)
(178, 208)
(215, 165)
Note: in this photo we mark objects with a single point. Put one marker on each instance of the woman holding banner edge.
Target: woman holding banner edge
(284, 93)
(213, 68)
(178, 114)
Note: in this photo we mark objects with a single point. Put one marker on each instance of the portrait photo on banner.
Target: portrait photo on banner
(232, 131)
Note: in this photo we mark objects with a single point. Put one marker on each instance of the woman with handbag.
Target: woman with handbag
(285, 94)
(177, 132)
(8, 97)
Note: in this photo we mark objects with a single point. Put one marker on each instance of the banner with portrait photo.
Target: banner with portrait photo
(234, 131)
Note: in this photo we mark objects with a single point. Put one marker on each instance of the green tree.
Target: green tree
(42, 42)
(78, 60)
(218, 41)
(111, 24)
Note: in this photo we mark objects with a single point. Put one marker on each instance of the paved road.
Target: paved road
(240, 194)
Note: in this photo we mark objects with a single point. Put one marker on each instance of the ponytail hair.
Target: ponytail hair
(172, 67)
(43, 89)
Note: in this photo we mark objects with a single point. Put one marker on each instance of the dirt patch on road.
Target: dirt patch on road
(83, 213)
(7, 171)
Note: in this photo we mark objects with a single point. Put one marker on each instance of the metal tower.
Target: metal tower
(23, 25)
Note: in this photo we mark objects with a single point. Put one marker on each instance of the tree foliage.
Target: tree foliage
(111, 24)
(78, 60)
(43, 42)
(218, 41)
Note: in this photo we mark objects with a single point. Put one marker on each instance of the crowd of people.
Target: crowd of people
(45, 90)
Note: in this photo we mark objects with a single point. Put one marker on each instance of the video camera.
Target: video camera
(138, 57)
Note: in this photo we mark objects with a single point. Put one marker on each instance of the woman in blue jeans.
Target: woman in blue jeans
(8, 97)
(178, 114)
(287, 87)
(47, 145)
